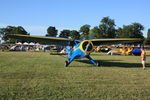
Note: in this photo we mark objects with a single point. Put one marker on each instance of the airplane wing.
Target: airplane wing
(42, 40)
(66, 41)
(102, 41)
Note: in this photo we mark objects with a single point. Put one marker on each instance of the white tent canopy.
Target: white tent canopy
(19, 43)
(25, 43)
(37, 44)
(31, 43)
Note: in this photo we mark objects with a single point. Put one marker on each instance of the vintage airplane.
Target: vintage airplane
(77, 48)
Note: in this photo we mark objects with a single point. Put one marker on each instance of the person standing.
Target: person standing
(143, 57)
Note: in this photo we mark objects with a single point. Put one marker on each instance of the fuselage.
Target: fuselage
(81, 50)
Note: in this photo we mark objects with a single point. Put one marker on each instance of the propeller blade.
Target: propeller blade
(87, 46)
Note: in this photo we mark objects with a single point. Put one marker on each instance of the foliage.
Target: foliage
(148, 33)
(51, 31)
(147, 41)
(74, 35)
(65, 33)
(40, 76)
(107, 28)
(95, 33)
(1, 34)
(131, 31)
(12, 30)
(85, 31)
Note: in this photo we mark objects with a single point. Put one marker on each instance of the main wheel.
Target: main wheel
(97, 64)
(66, 64)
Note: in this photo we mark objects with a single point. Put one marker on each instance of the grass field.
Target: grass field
(40, 76)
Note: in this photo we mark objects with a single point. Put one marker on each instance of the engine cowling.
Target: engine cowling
(86, 46)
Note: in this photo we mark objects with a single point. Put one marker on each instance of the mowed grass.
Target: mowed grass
(40, 76)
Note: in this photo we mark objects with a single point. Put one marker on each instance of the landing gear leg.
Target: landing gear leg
(92, 61)
(68, 62)
(97, 64)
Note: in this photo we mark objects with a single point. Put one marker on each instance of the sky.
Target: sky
(37, 15)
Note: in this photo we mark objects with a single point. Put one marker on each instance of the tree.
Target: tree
(131, 31)
(1, 34)
(85, 31)
(74, 35)
(148, 33)
(95, 33)
(51, 31)
(65, 33)
(147, 41)
(137, 30)
(107, 28)
(12, 30)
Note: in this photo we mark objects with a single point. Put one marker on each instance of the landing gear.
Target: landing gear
(66, 63)
(97, 64)
(91, 60)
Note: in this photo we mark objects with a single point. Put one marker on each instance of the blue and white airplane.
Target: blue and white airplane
(77, 48)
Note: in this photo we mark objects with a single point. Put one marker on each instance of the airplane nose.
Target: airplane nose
(87, 46)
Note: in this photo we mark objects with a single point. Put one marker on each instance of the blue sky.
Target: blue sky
(37, 15)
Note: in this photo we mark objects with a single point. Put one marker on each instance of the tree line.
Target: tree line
(106, 29)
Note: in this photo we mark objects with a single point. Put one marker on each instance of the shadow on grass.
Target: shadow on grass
(115, 63)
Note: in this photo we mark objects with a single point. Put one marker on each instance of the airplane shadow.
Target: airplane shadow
(117, 63)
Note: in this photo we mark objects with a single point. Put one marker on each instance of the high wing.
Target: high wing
(102, 41)
(67, 42)
(43, 40)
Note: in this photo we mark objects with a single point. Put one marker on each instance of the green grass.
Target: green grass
(40, 76)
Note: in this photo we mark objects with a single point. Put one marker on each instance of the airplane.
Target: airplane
(77, 48)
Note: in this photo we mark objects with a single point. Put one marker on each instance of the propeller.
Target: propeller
(87, 46)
